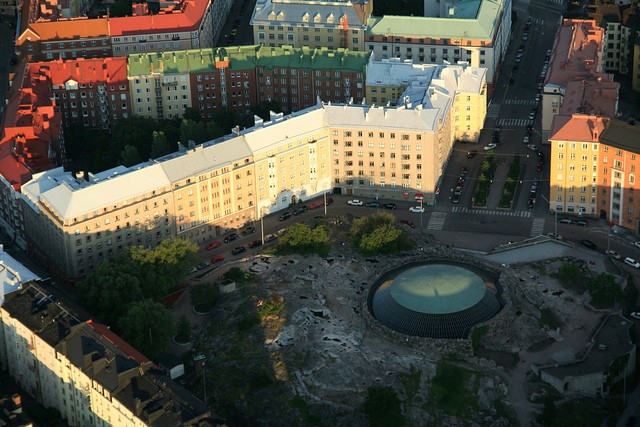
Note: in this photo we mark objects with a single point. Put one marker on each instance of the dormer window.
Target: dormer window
(305, 17)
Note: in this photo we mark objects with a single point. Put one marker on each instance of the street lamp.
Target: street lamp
(262, 223)
(325, 203)
(421, 212)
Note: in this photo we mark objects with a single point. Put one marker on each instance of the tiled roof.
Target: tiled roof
(79, 28)
(83, 70)
(594, 95)
(620, 134)
(186, 17)
(577, 127)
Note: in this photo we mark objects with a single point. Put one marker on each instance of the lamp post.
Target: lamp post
(324, 194)
(421, 212)
(262, 224)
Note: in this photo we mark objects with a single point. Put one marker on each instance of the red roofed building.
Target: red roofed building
(31, 142)
(187, 24)
(92, 91)
(69, 38)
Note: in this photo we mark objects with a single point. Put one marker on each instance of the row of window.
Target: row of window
(72, 44)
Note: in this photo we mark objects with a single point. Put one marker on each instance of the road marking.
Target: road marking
(520, 102)
(465, 210)
(436, 222)
(537, 228)
(513, 122)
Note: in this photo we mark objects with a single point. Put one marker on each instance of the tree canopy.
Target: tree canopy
(147, 326)
(301, 239)
(378, 234)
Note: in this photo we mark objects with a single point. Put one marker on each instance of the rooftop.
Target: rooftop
(186, 15)
(12, 274)
(80, 70)
(396, 72)
(77, 28)
(622, 135)
(577, 52)
(480, 26)
(577, 127)
(594, 95)
(311, 13)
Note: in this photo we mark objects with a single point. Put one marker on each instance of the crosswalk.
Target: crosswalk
(540, 20)
(436, 222)
(521, 214)
(537, 228)
(493, 110)
(556, 2)
(520, 101)
(513, 122)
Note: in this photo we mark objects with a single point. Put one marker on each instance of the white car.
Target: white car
(613, 254)
(532, 147)
(490, 147)
(416, 209)
(636, 315)
(637, 244)
(525, 139)
(355, 202)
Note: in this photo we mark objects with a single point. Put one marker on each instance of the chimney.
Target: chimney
(17, 400)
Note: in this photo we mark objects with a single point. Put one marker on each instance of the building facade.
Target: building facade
(84, 370)
(94, 92)
(238, 78)
(299, 23)
(74, 222)
(65, 39)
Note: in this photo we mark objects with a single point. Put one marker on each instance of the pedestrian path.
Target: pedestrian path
(521, 214)
(493, 110)
(537, 228)
(436, 222)
(516, 101)
(513, 122)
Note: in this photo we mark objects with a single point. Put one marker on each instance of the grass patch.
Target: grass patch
(549, 318)
(271, 307)
(450, 392)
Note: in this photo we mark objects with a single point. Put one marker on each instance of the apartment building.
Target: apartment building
(237, 78)
(620, 22)
(296, 77)
(94, 92)
(8, 8)
(74, 222)
(84, 370)
(186, 24)
(31, 141)
(577, 54)
(65, 39)
(476, 32)
(297, 23)
(635, 71)
(618, 165)
(388, 78)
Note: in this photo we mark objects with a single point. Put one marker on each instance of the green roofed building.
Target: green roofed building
(236, 78)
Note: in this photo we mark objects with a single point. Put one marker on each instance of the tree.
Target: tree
(109, 289)
(130, 156)
(148, 326)
(569, 274)
(192, 114)
(183, 329)
(377, 234)
(604, 289)
(160, 145)
(204, 295)
(382, 407)
(301, 239)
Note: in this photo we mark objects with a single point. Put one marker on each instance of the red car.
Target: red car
(217, 258)
(316, 205)
(214, 245)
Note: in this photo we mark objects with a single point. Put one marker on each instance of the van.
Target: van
(632, 262)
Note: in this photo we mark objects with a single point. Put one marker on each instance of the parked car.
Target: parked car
(532, 114)
(200, 266)
(270, 238)
(231, 237)
(532, 147)
(329, 201)
(255, 243)
(407, 222)
(588, 244)
(455, 199)
(355, 202)
(213, 245)
(525, 139)
(582, 223)
(635, 315)
(632, 262)
(238, 250)
(490, 147)
(471, 154)
(248, 230)
(301, 210)
(316, 205)
(390, 206)
(613, 254)
(565, 221)
(539, 167)
(636, 244)
(416, 209)
(216, 259)
(373, 205)
(285, 216)
(554, 236)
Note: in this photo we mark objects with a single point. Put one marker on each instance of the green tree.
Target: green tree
(109, 289)
(183, 329)
(120, 8)
(238, 275)
(204, 295)
(160, 145)
(148, 326)
(378, 234)
(130, 156)
(299, 238)
(604, 289)
(382, 407)
(569, 274)
(192, 114)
